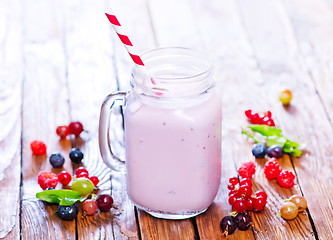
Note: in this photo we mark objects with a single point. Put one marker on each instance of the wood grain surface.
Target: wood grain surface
(60, 59)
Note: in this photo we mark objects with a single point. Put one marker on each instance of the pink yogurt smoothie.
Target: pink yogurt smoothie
(173, 154)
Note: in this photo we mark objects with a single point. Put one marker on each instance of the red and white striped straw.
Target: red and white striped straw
(124, 39)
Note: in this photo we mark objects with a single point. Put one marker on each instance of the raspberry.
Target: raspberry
(286, 179)
(247, 169)
(47, 179)
(75, 128)
(38, 147)
(272, 169)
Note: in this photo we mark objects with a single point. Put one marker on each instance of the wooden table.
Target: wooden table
(59, 59)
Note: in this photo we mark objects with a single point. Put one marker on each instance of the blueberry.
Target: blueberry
(50, 188)
(76, 155)
(68, 212)
(275, 151)
(259, 150)
(57, 160)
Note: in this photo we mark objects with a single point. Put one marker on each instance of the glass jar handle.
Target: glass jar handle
(112, 161)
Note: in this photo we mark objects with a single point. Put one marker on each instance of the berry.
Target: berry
(286, 179)
(272, 169)
(232, 198)
(270, 122)
(83, 175)
(234, 181)
(259, 203)
(62, 131)
(76, 155)
(285, 97)
(235, 191)
(260, 193)
(231, 187)
(68, 212)
(75, 128)
(81, 170)
(244, 221)
(239, 205)
(83, 186)
(255, 119)
(57, 160)
(47, 179)
(64, 178)
(245, 191)
(247, 169)
(299, 201)
(248, 113)
(228, 224)
(268, 114)
(249, 204)
(49, 188)
(38, 147)
(246, 181)
(288, 210)
(275, 151)
(94, 180)
(89, 207)
(259, 150)
(104, 202)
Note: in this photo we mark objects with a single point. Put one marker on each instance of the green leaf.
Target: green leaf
(265, 130)
(247, 133)
(276, 140)
(296, 152)
(63, 196)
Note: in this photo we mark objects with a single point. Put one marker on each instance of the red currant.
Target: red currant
(239, 205)
(248, 113)
(232, 198)
(272, 169)
(234, 181)
(268, 114)
(270, 123)
(245, 191)
(62, 131)
(231, 187)
(286, 179)
(249, 204)
(94, 180)
(247, 169)
(64, 178)
(38, 147)
(260, 193)
(81, 170)
(255, 119)
(259, 203)
(246, 182)
(83, 175)
(235, 191)
(75, 128)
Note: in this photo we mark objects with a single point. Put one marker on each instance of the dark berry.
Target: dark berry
(244, 221)
(64, 178)
(275, 151)
(57, 160)
(104, 202)
(76, 155)
(286, 179)
(228, 224)
(75, 128)
(272, 169)
(50, 188)
(38, 147)
(68, 212)
(247, 169)
(62, 131)
(259, 150)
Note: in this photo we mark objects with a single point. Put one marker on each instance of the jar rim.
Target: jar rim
(141, 71)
